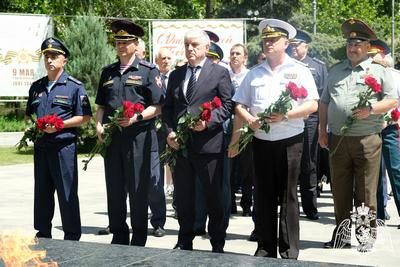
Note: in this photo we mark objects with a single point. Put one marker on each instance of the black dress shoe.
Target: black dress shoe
(199, 232)
(41, 235)
(261, 252)
(233, 209)
(253, 236)
(312, 217)
(217, 250)
(246, 213)
(331, 244)
(105, 231)
(183, 247)
(158, 232)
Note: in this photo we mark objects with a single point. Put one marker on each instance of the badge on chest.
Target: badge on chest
(134, 80)
(290, 75)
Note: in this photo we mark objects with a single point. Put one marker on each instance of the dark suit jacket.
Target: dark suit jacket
(213, 81)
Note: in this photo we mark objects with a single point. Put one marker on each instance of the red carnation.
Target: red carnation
(395, 114)
(206, 115)
(41, 124)
(303, 92)
(293, 90)
(59, 124)
(128, 109)
(206, 105)
(138, 108)
(216, 103)
(373, 84)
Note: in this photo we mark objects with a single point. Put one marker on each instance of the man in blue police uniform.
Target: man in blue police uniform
(55, 156)
(127, 160)
(308, 171)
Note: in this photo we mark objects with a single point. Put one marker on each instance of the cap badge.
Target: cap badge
(122, 33)
(353, 34)
(352, 21)
(269, 29)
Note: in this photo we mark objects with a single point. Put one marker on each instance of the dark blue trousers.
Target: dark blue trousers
(308, 171)
(56, 170)
(391, 156)
(127, 170)
(156, 190)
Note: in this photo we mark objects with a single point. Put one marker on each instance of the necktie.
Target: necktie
(192, 83)
(163, 80)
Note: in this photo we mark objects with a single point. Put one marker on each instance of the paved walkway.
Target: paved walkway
(16, 215)
(8, 139)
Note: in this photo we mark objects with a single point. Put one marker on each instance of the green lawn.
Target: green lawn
(10, 156)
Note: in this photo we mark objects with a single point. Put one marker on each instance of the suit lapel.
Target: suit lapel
(204, 75)
(182, 84)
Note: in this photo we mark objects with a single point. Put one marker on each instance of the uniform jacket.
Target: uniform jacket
(67, 98)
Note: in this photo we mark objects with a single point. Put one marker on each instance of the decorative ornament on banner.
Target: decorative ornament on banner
(169, 34)
(20, 63)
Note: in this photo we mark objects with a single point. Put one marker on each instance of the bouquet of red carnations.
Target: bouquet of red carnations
(184, 131)
(128, 110)
(280, 106)
(37, 130)
(364, 98)
(363, 101)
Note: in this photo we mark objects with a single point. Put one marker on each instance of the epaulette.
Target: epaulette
(147, 64)
(74, 80)
(379, 63)
(300, 63)
(40, 81)
(318, 60)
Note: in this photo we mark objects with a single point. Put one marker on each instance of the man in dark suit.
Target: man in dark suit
(190, 86)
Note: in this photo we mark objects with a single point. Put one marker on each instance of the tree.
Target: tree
(86, 38)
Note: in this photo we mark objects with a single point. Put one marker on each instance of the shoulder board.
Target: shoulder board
(300, 63)
(379, 63)
(74, 80)
(318, 60)
(147, 64)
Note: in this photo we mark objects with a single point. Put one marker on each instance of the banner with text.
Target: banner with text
(20, 64)
(170, 33)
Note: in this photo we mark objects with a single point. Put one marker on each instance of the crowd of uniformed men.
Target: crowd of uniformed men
(294, 151)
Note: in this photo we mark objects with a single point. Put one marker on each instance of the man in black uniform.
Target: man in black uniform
(308, 173)
(127, 160)
(55, 157)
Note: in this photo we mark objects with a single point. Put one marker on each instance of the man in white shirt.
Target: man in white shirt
(277, 153)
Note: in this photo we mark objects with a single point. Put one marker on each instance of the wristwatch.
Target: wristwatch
(139, 117)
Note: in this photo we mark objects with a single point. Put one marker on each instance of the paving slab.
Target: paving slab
(16, 217)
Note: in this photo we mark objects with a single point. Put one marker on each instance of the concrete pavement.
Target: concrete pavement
(16, 215)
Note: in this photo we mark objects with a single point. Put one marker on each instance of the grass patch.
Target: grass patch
(11, 123)
(10, 156)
